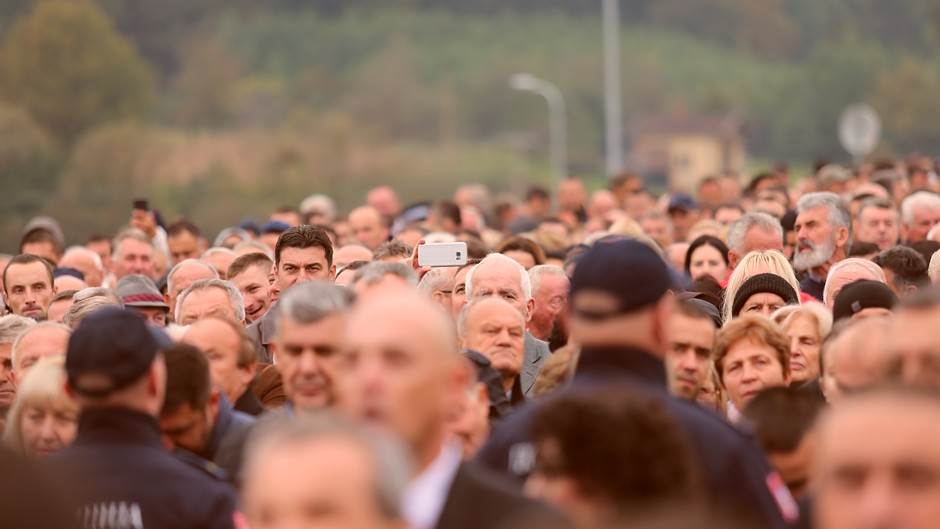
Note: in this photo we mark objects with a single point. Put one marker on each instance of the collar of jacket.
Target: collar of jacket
(223, 420)
(620, 361)
(118, 426)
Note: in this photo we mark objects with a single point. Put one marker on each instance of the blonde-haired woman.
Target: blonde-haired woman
(806, 326)
(43, 418)
(757, 262)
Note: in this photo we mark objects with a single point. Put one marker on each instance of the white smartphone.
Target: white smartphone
(443, 254)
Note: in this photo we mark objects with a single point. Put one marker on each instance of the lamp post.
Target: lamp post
(556, 114)
(612, 113)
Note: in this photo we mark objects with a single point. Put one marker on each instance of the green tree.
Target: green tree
(65, 63)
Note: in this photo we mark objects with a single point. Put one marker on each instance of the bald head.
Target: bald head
(400, 370)
(368, 227)
(85, 261)
(856, 358)
(37, 342)
(350, 253)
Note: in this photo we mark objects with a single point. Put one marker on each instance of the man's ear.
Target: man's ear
(733, 259)
(529, 309)
(332, 272)
(842, 237)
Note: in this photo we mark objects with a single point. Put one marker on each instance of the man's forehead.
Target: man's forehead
(27, 272)
(497, 273)
(302, 255)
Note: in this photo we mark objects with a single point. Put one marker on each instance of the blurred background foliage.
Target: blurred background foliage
(224, 109)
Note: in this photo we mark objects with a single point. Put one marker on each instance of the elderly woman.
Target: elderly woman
(806, 327)
(43, 418)
(751, 353)
(757, 262)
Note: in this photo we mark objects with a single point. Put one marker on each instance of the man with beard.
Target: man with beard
(251, 273)
(549, 317)
(823, 231)
(28, 286)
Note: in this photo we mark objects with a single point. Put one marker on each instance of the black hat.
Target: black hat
(111, 349)
(860, 295)
(769, 283)
(630, 273)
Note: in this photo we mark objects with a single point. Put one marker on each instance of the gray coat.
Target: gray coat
(536, 352)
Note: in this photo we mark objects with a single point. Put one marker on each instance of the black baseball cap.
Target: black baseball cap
(860, 295)
(619, 276)
(110, 349)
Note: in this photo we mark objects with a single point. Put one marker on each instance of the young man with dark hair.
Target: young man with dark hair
(185, 241)
(28, 286)
(691, 330)
(905, 269)
(196, 417)
(783, 419)
(43, 243)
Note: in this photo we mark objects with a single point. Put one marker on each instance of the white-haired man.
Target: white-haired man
(823, 231)
(499, 275)
(919, 213)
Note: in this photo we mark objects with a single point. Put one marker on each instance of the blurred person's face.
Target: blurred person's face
(682, 220)
(471, 425)
(762, 303)
(384, 200)
(221, 345)
(804, 349)
(368, 228)
(551, 301)
(45, 429)
(103, 249)
(58, 309)
(184, 245)
(409, 237)
(291, 218)
(133, 257)
(639, 204)
(306, 356)
(757, 238)
(398, 374)
(255, 285)
(657, 229)
(349, 253)
(794, 466)
(29, 289)
(707, 260)
(153, 315)
(879, 226)
(44, 249)
(206, 302)
(771, 207)
(924, 220)
(343, 233)
(522, 257)
(503, 280)
(7, 389)
(325, 483)
(749, 367)
(709, 395)
(221, 261)
(688, 354)
(299, 265)
(878, 466)
(497, 331)
(459, 296)
(727, 216)
(915, 346)
(183, 277)
(190, 428)
(85, 264)
(36, 345)
(709, 193)
(571, 194)
(270, 239)
(816, 238)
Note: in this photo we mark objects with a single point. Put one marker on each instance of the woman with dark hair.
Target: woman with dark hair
(522, 250)
(707, 255)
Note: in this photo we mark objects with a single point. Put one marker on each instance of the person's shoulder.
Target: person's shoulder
(475, 486)
(693, 414)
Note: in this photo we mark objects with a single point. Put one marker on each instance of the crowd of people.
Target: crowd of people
(759, 353)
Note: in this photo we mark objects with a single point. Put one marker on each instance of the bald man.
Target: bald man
(401, 371)
(368, 226)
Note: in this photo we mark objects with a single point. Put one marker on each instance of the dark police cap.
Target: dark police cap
(110, 349)
(618, 277)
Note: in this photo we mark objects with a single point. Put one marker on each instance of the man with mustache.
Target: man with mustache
(823, 231)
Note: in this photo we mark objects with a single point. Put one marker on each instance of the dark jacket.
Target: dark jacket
(478, 499)
(812, 286)
(119, 472)
(228, 440)
(248, 403)
(261, 333)
(735, 470)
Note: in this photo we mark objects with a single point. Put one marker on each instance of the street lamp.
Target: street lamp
(556, 114)
(612, 114)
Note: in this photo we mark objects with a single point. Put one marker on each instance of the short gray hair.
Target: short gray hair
(185, 262)
(13, 325)
(918, 200)
(258, 245)
(375, 271)
(536, 273)
(312, 301)
(88, 300)
(34, 328)
(234, 296)
(839, 215)
(524, 283)
(95, 258)
(216, 249)
(436, 279)
(318, 203)
(390, 460)
(739, 228)
(129, 233)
